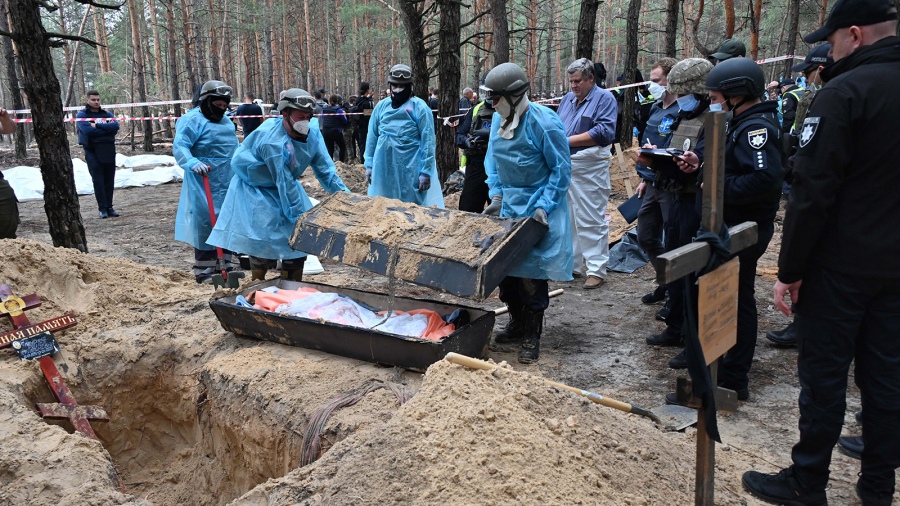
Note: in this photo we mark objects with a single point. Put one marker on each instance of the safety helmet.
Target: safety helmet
(505, 80)
(737, 77)
(689, 76)
(295, 98)
(400, 74)
(215, 89)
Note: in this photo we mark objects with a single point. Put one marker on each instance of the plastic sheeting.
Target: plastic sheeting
(28, 184)
(627, 255)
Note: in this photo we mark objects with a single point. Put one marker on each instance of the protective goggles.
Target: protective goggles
(490, 95)
(401, 74)
(302, 101)
(220, 91)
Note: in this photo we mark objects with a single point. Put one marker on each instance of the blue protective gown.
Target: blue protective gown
(533, 170)
(264, 198)
(199, 140)
(400, 146)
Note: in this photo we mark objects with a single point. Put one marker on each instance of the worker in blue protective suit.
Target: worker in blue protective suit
(264, 197)
(528, 172)
(399, 157)
(204, 143)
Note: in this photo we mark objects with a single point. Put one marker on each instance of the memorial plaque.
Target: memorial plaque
(717, 310)
(39, 345)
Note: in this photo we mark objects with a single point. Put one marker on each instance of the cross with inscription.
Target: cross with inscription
(35, 341)
(717, 300)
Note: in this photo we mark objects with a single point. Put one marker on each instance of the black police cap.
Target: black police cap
(817, 56)
(847, 13)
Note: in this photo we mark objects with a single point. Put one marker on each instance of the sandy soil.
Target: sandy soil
(201, 416)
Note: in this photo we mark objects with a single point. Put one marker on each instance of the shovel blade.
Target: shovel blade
(674, 418)
(218, 281)
(233, 278)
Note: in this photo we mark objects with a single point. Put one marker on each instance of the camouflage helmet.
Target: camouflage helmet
(689, 76)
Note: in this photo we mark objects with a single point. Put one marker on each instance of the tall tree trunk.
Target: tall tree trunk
(729, 19)
(147, 125)
(309, 48)
(587, 22)
(672, 8)
(190, 59)
(755, 18)
(100, 37)
(40, 83)
(501, 31)
(793, 30)
(413, 21)
(157, 47)
(70, 81)
(15, 89)
(447, 154)
(172, 60)
(199, 47)
(631, 52)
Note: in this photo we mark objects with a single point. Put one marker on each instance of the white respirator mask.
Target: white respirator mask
(301, 127)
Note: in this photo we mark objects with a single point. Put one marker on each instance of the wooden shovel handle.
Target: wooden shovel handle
(505, 309)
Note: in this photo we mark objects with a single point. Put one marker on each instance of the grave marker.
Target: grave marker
(717, 301)
(35, 341)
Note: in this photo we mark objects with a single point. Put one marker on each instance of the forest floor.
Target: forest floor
(201, 416)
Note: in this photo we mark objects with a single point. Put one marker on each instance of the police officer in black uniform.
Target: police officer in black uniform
(753, 176)
(472, 136)
(838, 260)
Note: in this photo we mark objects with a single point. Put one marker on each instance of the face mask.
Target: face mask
(301, 127)
(396, 91)
(715, 107)
(510, 110)
(657, 90)
(688, 102)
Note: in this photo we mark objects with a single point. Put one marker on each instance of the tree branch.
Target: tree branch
(474, 35)
(471, 21)
(47, 4)
(60, 39)
(7, 34)
(102, 6)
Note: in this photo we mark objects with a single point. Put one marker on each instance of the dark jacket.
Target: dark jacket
(753, 169)
(362, 103)
(103, 132)
(844, 207)
(333, 118)
(249, 124)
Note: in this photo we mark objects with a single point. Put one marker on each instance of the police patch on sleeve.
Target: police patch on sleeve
(758, 138)
(808, 130)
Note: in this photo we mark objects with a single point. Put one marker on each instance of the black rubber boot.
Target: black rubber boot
(785, 338)
(515, 328)
(531, 343)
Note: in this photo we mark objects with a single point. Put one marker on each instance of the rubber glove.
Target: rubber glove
(424, 182)
(494, 208)
(369, 175)
(201, 169)
(540, 216)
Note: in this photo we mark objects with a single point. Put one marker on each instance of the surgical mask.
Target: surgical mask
(657, 90)
(715, 107)
(397, 90)
(688, 102)
(301, 127)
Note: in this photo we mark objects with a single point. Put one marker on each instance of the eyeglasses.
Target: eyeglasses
(401, 74)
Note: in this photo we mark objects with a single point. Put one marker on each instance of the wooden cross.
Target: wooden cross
(717, 302)
(14, 308)
(623, 174)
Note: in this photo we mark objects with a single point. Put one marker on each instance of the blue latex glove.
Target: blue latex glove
(494, 208)
(369, 175)
(201, 169)
(424, 182)
(636, 132)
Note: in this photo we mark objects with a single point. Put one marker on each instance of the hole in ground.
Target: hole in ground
(179, 438)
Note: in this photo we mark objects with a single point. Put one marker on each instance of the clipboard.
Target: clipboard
(629, 209)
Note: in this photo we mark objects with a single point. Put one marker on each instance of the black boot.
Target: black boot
(782, 488)
(515, 328)
(851, 446)
(531, 343)
(786, 338)
(112, 213)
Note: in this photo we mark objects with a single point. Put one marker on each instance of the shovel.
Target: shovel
(474, 363)
(224, 278)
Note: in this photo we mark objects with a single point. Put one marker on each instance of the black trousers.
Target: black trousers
(474, 194)
(681, 228)
(652, 219)
(842, 318)
(531, 294)
(361, 133)
(101, 162)
(334, 136)
(735, 365)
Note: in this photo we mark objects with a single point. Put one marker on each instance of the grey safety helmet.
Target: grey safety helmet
(505, 80)
(737, 77)
(689, 76)
(400, 74)
(215, 89)
(295, 98)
